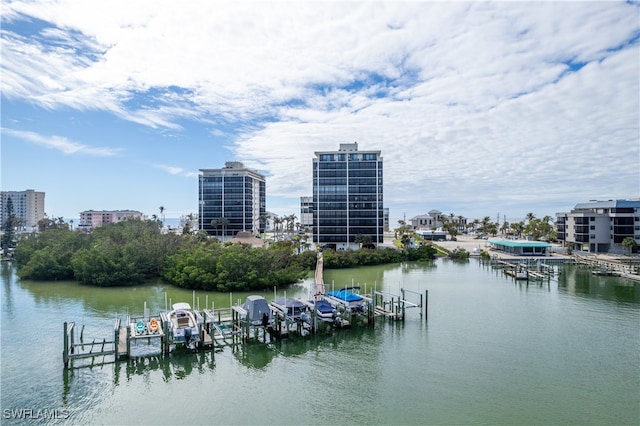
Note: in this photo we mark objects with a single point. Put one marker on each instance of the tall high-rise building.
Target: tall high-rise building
(27, 205)
(347, 197)
(232, 199)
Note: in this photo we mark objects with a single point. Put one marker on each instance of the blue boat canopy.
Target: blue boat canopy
(346, 295)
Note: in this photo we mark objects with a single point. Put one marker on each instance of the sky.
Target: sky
(478, 108)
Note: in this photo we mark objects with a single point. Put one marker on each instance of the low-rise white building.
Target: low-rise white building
(600, 226)
(436, 219)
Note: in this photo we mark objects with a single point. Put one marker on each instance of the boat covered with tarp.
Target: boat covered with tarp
(325, 310)
(293, 308)
(258, 310)
(347, 297)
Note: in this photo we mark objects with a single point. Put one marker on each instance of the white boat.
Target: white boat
(325, 310)
(519, 273)
(183, 324)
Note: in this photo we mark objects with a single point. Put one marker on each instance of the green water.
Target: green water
(492, 351)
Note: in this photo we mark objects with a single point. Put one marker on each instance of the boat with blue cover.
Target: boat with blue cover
(347, 297)
(325, 310)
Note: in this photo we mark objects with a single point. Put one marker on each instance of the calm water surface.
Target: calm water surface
(492, 351)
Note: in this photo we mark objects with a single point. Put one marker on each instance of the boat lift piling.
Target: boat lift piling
(231, 326)
(394, 306)
(73, 350)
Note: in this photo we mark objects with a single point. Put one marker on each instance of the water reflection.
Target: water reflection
(258, 355)
(579, 281)
(417, 266)
(8, 276)
(110, 301)
(492, 352)
(176, 366)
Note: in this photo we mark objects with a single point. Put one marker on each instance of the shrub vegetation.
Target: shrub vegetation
(130, 252)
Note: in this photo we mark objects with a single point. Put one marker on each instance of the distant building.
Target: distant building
(386, 219)
(347, 197)
(435, 219)
(92, 219)
(430, 220)
(600, 226)
(520, 248)
(28, 206)
(231, 200)
(306, 212)
(432, 234)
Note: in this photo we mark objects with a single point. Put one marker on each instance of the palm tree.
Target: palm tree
(162, 215)
(214, 224)
(530, 216)
(505, 227)
(630, 244)
(485, 224)
(291, 221)
(224, 222)
(276, 225)
(518, 227)
(474, 224)
(263, 222)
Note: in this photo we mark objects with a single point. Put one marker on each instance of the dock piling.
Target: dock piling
(426, 303)
(65, 352)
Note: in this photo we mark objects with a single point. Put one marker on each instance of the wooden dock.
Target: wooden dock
(526, 269)
(231, 326)
(626, 267)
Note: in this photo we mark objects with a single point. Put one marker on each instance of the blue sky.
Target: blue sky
(478, 108)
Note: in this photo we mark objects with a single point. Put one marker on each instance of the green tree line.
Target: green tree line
(130, 252)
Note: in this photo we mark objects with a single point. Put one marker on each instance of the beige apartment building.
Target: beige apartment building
(92, 219)
(27, 205)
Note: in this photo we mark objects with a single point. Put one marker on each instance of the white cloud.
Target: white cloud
(61, 144)
(176, 171)
(471, 102)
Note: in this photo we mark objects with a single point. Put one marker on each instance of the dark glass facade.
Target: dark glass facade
(347, 196)
(231, 200)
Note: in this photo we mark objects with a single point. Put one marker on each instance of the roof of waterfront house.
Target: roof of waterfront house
(518, 243)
